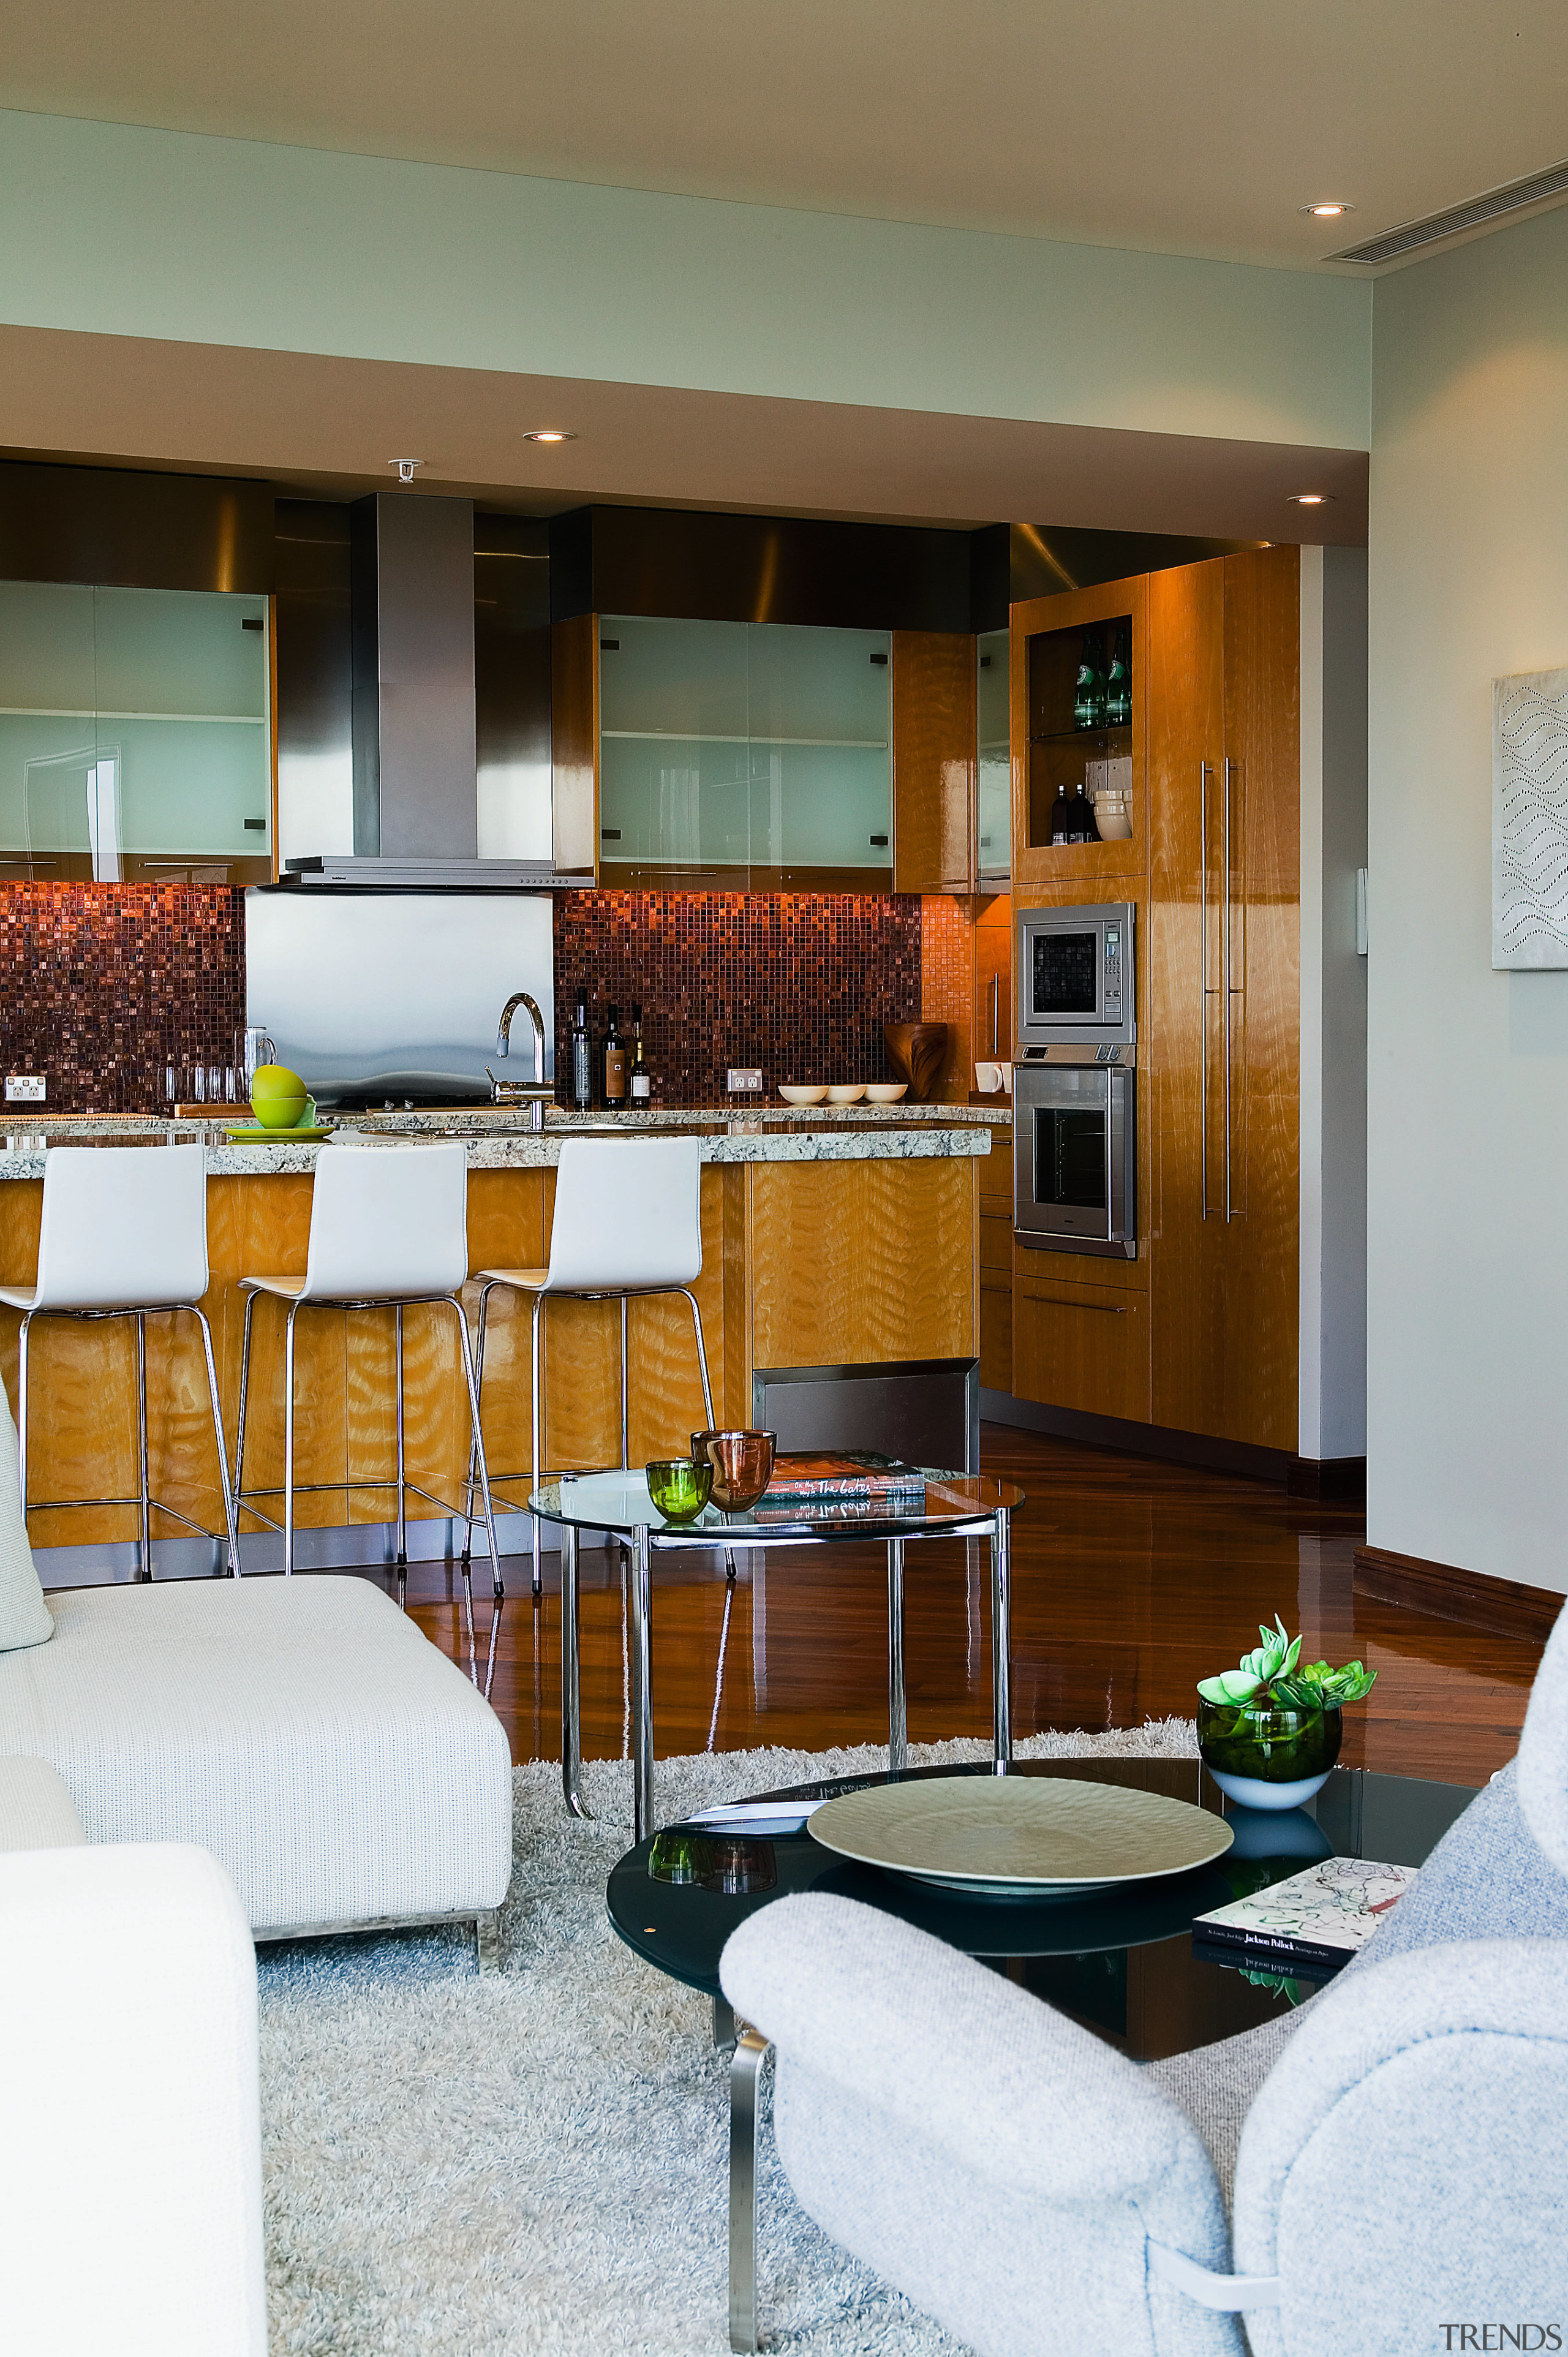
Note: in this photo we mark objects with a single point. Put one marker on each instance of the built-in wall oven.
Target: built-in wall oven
(1075, 1130)
(1075, 1156)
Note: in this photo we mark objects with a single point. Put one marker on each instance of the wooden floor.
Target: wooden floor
(1132, 1579)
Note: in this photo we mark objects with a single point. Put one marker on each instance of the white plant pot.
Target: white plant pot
(1253, 1794)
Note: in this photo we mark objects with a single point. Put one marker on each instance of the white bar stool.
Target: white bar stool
(124, 1236)
(388, 1230)
(627, 1221)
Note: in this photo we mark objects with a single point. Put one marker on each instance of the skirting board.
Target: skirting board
(1329, 1480)
(1139, 1439)
(345, 1547)
(1503, 1608)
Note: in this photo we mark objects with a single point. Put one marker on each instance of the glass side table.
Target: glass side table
(952, 1506)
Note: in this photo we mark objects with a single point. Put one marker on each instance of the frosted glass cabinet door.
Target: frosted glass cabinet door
(994, 799)
(820, 719)
(183, 693)
(134, 735)
(673, 769)
(48, 738)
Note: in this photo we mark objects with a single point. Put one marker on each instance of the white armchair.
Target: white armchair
(130, 2164)
(1402, 2163)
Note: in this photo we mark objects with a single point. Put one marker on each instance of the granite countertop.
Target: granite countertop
(498, 1138)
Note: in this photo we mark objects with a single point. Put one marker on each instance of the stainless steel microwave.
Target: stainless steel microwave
(1076, 980)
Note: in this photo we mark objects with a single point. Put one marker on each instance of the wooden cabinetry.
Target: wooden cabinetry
(1200, 1332)
(1224, 996)
(933, 761)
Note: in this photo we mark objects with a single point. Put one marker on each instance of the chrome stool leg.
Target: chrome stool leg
(145, 1560)
(401, 1469)
(625, 1383)
(244, 1404)
(230, 1511)
(288, 1442)
(538, 1431)
(691, 1299)
(472, 1482)
(455, 1302)
(22, 1410)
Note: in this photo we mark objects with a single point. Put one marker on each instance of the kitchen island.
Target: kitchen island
(826, 1243)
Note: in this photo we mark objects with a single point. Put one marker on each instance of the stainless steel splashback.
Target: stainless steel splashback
(372, 994)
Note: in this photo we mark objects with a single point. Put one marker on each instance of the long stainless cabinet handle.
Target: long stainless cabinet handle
(1203, 991)
(1066, 1301)
(995, 1012)
(1226, 982)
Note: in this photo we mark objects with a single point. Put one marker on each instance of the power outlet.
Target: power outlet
(25, 1088)
(743, 1080)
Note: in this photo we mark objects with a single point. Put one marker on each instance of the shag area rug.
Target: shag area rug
(536, 2162)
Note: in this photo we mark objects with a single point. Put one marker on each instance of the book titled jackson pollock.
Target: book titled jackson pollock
(1318, 1918)
(856, 1477)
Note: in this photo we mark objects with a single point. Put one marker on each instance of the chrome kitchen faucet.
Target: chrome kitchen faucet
(535, 1093)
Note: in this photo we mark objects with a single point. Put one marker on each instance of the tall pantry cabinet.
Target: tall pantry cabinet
(1213, 864)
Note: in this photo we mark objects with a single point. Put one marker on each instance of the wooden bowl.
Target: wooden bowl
(916, 1052)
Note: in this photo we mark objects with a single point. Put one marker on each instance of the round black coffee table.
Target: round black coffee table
(1123, 1963)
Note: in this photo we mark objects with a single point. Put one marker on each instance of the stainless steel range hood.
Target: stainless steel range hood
(416, 797)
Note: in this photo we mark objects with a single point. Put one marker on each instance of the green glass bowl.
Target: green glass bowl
(1276, 1746)
(679, 1488)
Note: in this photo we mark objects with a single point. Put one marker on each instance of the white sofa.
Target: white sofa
(130, 2166)
(343, 1772)
(339, 1767)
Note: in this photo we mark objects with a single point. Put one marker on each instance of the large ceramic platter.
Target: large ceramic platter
(1020, 1836)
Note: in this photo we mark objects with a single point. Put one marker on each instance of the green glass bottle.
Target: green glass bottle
(1119, 681)
(1089, 691)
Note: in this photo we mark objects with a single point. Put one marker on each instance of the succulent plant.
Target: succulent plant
(1272, 1678)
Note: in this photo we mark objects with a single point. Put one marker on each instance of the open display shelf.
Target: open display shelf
(1059, 750)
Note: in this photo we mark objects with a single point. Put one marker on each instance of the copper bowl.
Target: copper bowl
(742, 1463)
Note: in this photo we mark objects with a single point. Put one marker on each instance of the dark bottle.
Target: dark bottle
(641, 1079)
(615, 1061)
(1119, 681)
(1089, 692)
(582, 1056)
(1072, 817)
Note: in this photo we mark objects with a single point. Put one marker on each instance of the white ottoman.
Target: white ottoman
(339, 1767)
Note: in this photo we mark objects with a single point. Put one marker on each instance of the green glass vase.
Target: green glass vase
(1268, 1758)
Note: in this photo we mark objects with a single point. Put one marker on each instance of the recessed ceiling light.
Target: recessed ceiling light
(549, 433)
(1310, 498)
(1329, 210)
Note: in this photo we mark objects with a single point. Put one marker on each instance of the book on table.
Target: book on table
(1316, 1919)
(856, 1475)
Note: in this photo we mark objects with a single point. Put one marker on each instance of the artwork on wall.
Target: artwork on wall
(1529, 820)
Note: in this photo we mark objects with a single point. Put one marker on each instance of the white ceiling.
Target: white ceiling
(1189, 127)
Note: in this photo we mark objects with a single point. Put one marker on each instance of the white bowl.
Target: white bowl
(885, 1092)
(801, 1095)
(846, 1092)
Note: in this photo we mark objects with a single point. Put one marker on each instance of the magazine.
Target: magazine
(1320, 1917)
(851, 1474)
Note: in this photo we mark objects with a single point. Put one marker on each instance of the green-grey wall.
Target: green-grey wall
(122, 230)
(1468, 1375)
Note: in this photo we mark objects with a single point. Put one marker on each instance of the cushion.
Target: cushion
(331, 1759)
(37, 1811)
(1543, 1751)
(24, 1616)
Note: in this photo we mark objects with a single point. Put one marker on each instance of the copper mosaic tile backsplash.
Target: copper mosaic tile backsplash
(103, 986)
(798, 982)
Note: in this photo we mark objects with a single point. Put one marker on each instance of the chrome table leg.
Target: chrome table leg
(897, 1712)
(744, 2069)
(641, 1685)
(571, 1688)
(1001, 1645)
(401, 1468)
(724, 2031)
